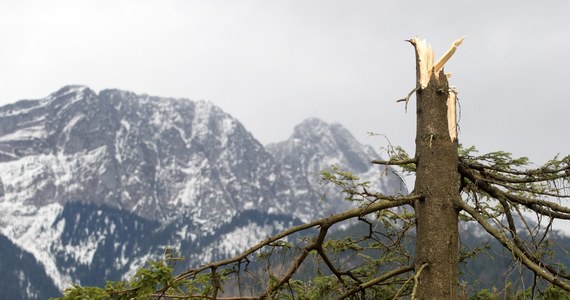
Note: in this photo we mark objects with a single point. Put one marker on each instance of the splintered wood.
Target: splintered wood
(452, 114)
(426, 67)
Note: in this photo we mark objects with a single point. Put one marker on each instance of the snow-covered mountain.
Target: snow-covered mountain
(94, 184)
(150, 156)
(316, 146)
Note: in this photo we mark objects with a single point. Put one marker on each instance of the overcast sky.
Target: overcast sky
(272, 64)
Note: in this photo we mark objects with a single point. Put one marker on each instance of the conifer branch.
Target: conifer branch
(517, 252)
(537, 205)
(541, 171)
(376, 281)
(385, 203)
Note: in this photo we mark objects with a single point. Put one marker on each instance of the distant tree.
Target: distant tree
(408, 245)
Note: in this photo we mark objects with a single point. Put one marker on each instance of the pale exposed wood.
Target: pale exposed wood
(424, 55)
(452, 113)
(439, 64)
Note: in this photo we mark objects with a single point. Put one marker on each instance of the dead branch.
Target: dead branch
(541, 171)
(168, 296)
(407, 98)
(333, 269)
(385, 203)
(553, 209)
(417, 278)
(513, 248)
(376, 281)
(525, 189)
(395, 162)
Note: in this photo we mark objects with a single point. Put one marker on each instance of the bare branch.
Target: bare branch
(387, 202)
(515, 250)
(333, 269)
(294, 267)
(376, 281)
(395, 162)
(554, 209)
(525, 189)
(541, 171)
(407, 98)
(417, 278)
(205, 297)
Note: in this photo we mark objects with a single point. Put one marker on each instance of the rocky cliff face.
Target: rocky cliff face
(151, 156)
(115, 177)
(315, 146)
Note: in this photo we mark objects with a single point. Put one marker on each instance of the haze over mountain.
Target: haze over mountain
(94, 184)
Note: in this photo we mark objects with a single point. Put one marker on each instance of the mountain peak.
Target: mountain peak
(71, 89)
(332, 139)
(315, 146)
(310, 128)
(156, 157)
(332, 143)
(317, 131)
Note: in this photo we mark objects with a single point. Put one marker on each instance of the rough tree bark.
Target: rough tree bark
(437, 181)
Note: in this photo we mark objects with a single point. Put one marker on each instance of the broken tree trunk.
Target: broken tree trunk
(437, 178)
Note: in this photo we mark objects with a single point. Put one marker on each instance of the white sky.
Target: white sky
(272, 64)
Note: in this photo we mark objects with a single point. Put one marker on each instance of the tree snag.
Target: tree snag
(437, 179)
(494, 191)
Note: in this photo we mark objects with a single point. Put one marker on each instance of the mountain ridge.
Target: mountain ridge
(189, 168)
